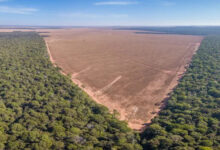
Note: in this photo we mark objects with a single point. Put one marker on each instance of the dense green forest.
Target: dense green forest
(42, 109)
(191, 119)
(184, 30)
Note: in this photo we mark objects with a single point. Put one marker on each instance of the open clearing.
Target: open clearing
(129, 72)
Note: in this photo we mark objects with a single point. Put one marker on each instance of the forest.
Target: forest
(42, 109)
(183, 30)
(191, 119)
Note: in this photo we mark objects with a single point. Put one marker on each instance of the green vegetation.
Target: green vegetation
(191, 119)
(184, 30)
(42, 109)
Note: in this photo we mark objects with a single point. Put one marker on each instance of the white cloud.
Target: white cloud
(80, 15)
(14, 10)
(166, 3)
(115, 3)
(117, 15)
(92, 16)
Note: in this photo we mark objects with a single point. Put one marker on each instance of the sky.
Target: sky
(110, 12)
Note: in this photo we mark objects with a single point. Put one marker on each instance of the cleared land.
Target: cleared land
(129, 72)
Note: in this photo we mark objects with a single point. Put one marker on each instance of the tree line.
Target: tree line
(182, 30)
(42, 109)
(191, 119)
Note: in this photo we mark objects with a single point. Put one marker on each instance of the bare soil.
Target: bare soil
(128, 72)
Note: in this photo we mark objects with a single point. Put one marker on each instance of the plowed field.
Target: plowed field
(129, 72)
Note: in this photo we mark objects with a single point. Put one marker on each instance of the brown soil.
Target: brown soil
(128, 72)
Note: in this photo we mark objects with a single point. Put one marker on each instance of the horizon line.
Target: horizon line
(109, 26)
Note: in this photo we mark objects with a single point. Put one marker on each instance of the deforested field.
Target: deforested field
(42, 109)
(126, 71)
